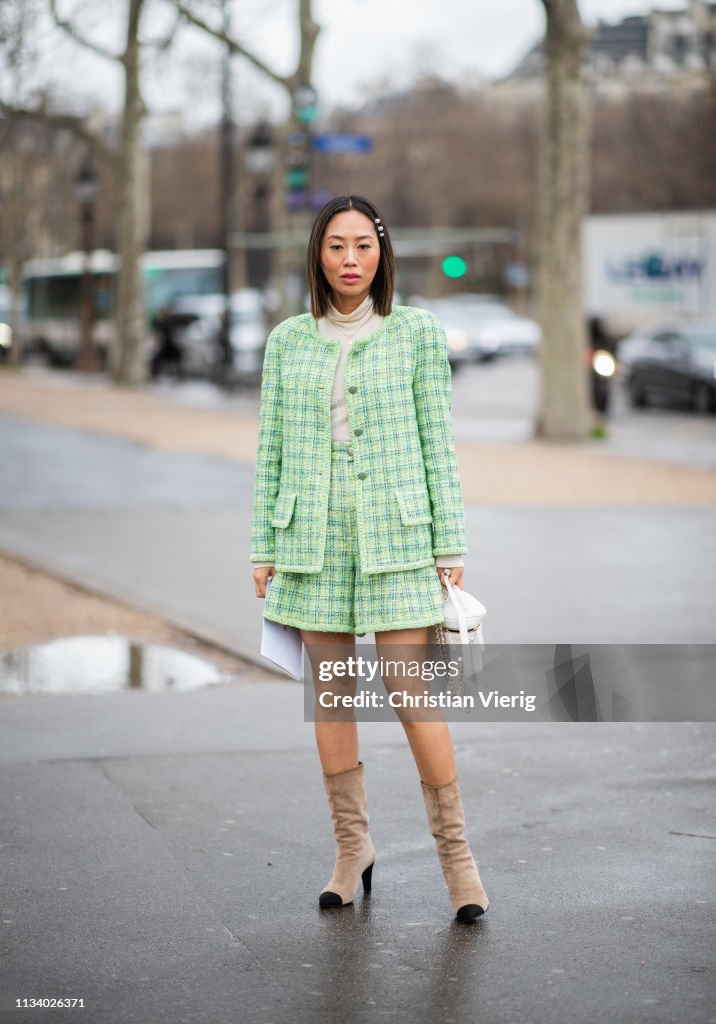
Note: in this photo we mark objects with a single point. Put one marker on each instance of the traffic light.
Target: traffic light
(297, 173)
(305, 100)
(454, 266)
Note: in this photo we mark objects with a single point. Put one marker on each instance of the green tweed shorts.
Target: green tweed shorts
(341, 598)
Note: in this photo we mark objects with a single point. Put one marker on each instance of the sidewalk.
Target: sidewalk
(526, 473)
(163, 855)
(163, 852)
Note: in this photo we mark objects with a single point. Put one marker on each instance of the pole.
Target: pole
(87, 356)
(226, 189)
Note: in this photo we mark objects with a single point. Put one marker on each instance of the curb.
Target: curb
(97, 589)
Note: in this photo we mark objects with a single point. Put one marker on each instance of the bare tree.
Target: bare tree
(16, 25)
(564, 411)
(301, 75)
(127, 363)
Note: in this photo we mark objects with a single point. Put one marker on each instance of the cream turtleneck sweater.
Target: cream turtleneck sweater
(345, 327)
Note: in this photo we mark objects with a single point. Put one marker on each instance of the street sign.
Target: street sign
(343, 143)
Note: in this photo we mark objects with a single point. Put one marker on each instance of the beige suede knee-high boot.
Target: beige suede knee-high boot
(355, 852)
(446, 819)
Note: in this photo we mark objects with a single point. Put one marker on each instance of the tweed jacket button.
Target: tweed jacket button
(358, 431)
(362, 476)
(352, 389)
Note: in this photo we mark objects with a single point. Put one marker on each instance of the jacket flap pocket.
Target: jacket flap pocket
(414, 505)
(283, 512)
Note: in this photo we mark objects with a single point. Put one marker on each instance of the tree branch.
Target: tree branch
(72, 32)
(232, 43)
(309, 34)
(62, 122)
(166, 42)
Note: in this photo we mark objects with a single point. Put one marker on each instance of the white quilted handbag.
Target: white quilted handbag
(462, 629)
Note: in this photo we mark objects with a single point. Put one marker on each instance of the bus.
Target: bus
(52, 290)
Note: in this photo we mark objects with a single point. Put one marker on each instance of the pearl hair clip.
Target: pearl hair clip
(379, 227)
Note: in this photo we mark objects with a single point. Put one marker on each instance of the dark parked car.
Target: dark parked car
(5, 330)
(673, 361)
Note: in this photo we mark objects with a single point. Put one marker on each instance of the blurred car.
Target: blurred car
(456, 328)
(481, 327)
(247, 334)
(196, 328)
(671, 361)
(188, 327)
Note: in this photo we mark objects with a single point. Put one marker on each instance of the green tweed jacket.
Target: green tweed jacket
(409, 501)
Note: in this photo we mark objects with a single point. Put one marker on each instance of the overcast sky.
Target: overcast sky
(361, 43)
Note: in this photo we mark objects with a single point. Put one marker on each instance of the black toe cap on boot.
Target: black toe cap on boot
(330, 899)
(470, 912)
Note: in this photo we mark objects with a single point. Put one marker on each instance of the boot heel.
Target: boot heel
(367, 876)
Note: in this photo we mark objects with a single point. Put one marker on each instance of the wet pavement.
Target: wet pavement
(102, 664)
(163, 854)
(162, 848)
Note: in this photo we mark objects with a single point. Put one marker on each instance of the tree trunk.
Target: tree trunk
(128, 359)
(15, 240)
(564, 411)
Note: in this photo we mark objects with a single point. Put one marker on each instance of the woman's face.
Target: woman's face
(350, 254)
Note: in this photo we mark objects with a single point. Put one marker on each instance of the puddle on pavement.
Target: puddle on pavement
(103, 664)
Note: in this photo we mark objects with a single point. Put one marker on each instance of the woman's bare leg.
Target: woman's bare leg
(337, 734)
(430, 741)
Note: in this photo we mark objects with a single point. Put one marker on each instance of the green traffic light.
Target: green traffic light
(454, 266)
(296, 177)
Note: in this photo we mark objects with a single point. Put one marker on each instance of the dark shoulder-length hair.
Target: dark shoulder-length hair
(382, 286)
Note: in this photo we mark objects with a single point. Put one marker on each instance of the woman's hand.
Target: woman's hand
(261, 578)
(455, 577)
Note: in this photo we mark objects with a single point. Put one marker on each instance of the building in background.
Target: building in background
(663, 50)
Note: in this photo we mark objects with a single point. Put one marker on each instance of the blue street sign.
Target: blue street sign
(343, 143)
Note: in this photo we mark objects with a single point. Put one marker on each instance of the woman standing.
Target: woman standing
(358, 510)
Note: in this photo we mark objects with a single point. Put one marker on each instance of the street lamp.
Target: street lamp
(260, 156)
(260, 160)
(86, 185)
